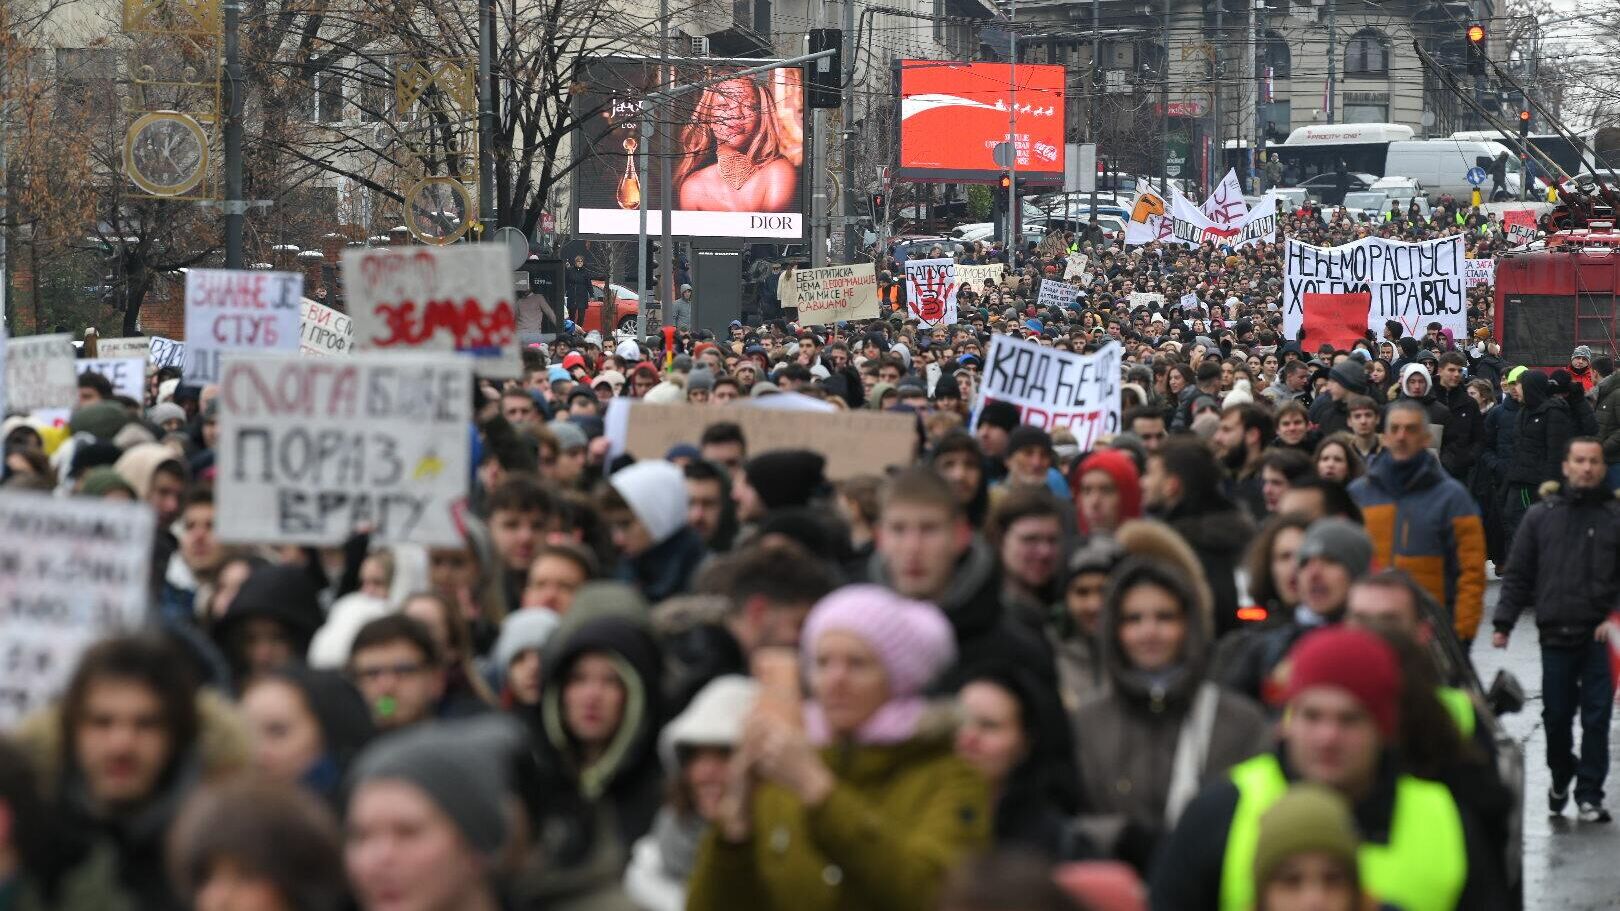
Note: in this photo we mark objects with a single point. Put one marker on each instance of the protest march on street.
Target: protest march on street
(1141, 571)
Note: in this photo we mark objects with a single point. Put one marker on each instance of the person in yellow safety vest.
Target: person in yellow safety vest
(1305, 857)
(1420, 849)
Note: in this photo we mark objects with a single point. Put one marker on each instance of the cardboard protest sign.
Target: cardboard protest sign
(1190, 226)
(127, 374)
(1412, 283)
(135, 346)
(233, 310)
(1336, 319)
(1074, 265)
(166, 352)
(1058, 294)
(72, 570)
(1190, 301)
(974, 276)
(1480, 272)
(854, 443)
(322, 330)
(834, 293)
(456, 298)
(311, 449)
(1054, 388)
(40, 374)
(931, 291)
(1520, 227)
(1140, 299)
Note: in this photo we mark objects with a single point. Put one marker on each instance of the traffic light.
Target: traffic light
(1476, 49)
(877, 201)
(1524, 122)
(1005, 182)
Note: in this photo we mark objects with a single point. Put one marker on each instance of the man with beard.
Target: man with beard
(1240, 441)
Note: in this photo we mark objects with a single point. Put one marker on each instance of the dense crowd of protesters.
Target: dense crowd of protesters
(1216, 661)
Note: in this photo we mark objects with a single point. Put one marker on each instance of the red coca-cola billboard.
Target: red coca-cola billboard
(952, 116)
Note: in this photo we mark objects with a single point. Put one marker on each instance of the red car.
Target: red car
(629, 306)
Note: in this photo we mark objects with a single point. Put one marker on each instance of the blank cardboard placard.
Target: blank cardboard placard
(854, 443)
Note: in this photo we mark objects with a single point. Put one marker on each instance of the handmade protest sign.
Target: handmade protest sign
(1074, 265)
(1192, 227)
(1054, 388)
(854, 443)
(974, 276)
(1226, 205)
(72, 570)
(1140, 299)
(166, 352)
(1335, 319)
(127, 374)
(235, 310)
(40, 374)
(1520, 227)
(1190, 301)
(834, 293)
(312, 449)
(931, 291)
(322, 330)
(1149, 219)
(456, 298)
(134, 346)
(1058, 294)
(1480, 272)
(1412, 283)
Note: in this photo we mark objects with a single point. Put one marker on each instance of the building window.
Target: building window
(1366, 113)
(1276, 120)
(1367, 54)
(1273, 53)
(939, 20)
(329, 96)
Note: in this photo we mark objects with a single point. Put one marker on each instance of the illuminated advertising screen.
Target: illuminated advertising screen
(952, 115)
(738, 143)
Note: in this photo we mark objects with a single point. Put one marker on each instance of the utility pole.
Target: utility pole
(5, 183)
(1333, 61)
(666, 257)
(1098, 80)
(1164, 114)
(1251, 52)
(235, 207)
(815, 158)
(1216, 79)
(643, 123)
(851, 235)
(1012, 132)
(486, 120)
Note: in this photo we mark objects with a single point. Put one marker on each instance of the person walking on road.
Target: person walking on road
(1563, 566)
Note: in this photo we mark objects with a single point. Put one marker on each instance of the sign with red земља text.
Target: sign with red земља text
(456, 298)
(1054, 388)
(236, 310)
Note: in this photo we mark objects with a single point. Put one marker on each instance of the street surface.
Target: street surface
(1568, 866)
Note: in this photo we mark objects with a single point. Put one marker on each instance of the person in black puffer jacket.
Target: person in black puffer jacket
(1489, 484)
(1545, 428)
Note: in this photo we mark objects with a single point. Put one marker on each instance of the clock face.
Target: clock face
(438, 210)
(166, 154)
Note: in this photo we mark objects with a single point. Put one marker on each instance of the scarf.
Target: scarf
(895, 722)
(677, 836)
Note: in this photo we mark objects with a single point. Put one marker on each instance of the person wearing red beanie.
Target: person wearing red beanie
(1422, 849)
(1107, 491)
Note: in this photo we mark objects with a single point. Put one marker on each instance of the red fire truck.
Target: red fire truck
(1551, 299)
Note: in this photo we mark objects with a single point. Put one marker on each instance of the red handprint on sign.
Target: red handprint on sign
(931, 292)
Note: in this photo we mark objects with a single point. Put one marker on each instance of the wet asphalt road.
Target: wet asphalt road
(1568, 866)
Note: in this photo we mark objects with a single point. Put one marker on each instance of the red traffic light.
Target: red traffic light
(1524, 116)
(1476, 34)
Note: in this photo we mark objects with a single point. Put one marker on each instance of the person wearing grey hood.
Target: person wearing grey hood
(451, 783)
(1164, 729)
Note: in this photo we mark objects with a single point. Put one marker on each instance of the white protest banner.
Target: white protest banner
(1142, 299)
(40, 374)
(1412, 283)
(1190, 301)
(975, 276)
(311, 449)
(166, 352)
(931, 291)
(322, 330)
(1480, 272)
(135, 346)
(456, 298)
(834, 293)
(1054, 388)
(1149, 218)
(72, 570)
(1226, 205)
(1074, 265)
(234, 310)
(1058, 294)
(1190, 226)
(127, 374)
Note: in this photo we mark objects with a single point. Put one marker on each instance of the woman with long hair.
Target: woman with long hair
(734, 156)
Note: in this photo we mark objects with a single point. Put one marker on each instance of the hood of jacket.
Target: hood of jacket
(1408, 371)
(628, 643)
(280, 593)
(1537, 389)
(1175, 689)
(139, 463)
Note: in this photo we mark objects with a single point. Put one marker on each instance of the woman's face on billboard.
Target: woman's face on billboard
(736, 112)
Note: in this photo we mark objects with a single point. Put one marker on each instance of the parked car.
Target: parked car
(629, 303)
(1324, 187)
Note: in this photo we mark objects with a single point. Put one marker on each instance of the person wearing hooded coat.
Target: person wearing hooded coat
(340, 713)
(1439, 414)
(1545, 428)
(270, 622)
(660, 562)
(599, 782)
(1161, 732)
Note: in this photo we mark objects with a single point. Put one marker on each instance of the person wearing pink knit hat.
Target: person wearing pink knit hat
(856, 800)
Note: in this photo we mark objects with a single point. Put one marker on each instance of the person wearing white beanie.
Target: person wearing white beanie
(645, 505)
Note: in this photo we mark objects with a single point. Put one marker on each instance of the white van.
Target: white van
(1441, 165)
